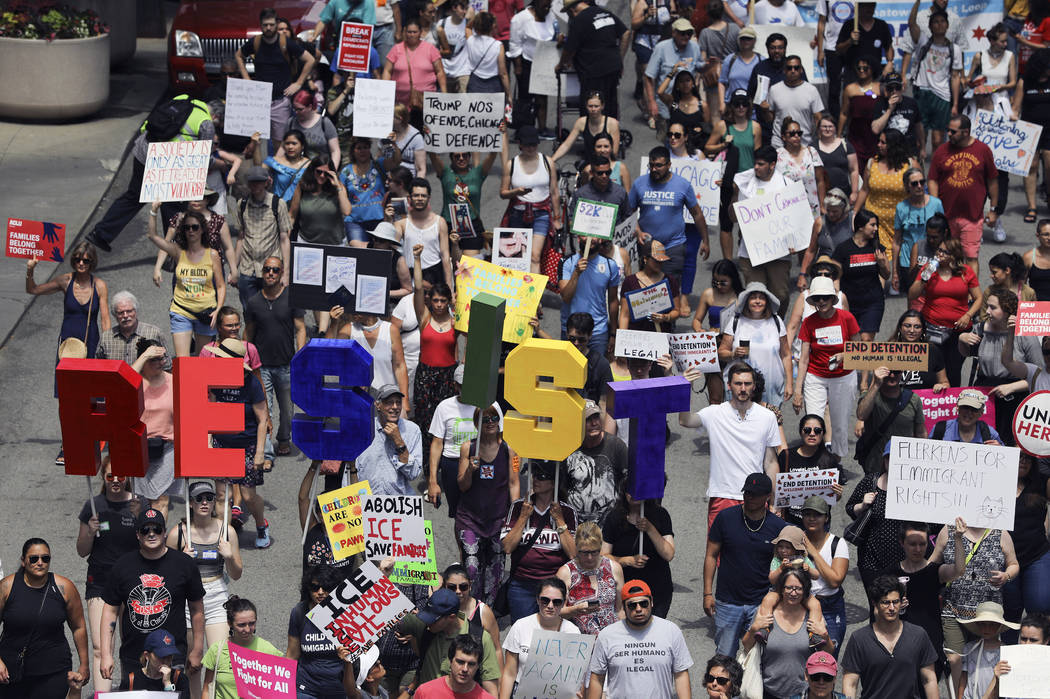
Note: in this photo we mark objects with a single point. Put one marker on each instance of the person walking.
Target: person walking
(596, 44)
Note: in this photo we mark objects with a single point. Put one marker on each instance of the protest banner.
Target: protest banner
(512, 248)
(341, 514)
(1033, 318)
(522, 291)
(555, 665)
(35, 239)
(543, 78)
(903, 356)
(793, 487)
(175, 171)
(934, 481)
(458, 122)
(373, 107)
(1028, 671)
(941, 406)
(394, 527)
(414, 572)
(650, 299)
(1013, 143)
(1032, 424)
(641, 344)
(247, 107)
(261, 675)
(360, 609)
(704, 176)
(776, 224)
(798, 43)
(594, 219)
(355, 47)
(695, 350)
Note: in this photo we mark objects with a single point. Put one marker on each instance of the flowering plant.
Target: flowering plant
(21, 19)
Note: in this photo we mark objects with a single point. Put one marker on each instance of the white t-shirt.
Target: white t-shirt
(750, 186)
(525, 31)
(519, 638)
(738, 445)
(640, 663)
(453, 422)
(838, 12)
(934, 73)
(764, 350)
(787, 14)
(801, 103)
(820, 585)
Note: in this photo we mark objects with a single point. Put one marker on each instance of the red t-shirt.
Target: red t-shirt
(438, 689)
(947, 301)
(961, 174)
(827, 337)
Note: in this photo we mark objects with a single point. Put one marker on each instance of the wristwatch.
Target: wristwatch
(562, 529)
(401, 449)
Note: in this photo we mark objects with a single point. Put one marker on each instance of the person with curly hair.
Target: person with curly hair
(882, 187)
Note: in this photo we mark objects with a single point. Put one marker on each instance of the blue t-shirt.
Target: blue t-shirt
(338, 11)
(660, 207)
(743, 573)
(951, 432)
(375, 62)
(365, 192)
(665, 56)
(592, 287)
(911, 221)
(736, 73)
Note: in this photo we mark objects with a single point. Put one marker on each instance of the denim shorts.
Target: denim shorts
(182, 324)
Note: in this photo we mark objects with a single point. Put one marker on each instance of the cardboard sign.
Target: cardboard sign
(543, 79)
(341, 513)
(792, 488)
(936, 481)
(247, 107)
(650, 299)
(415, 573)
(394, 527)
(695, 350)
(594, 219)
(461, 222)
(941, 406)
(776, 224)
(459, 122)
(175, 171)
(261, 675)
(1033, 317)
(360, 609)
(374, 107)
(704, 176)
(1032, 424)
(318, 272)
(905, 356)
(355, 46)
(522, 291)
(624, 237)
(556, 665)
(641, 344)
(512, 248)
(35, 239)
(1013, 143)
(1027, 676)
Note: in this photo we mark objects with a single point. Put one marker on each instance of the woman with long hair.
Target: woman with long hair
(320, 133)
(594, 582)
(288, 164)
(625, 525)
(801, 163)
(909, 225)
(862, 282)
(486, 58)
(811, 452)
(1037, 261)
(410, 142)
(883, 185)
(603, 147)
(858, 108)
(724, 289)
(682, 97)
(1030, 590)
(437, 347)
(415, 65)
(718, 41)
(596, 124)
(651, 258)
(320, 671)
(530, 186)
(216, 236)
(478, 614)
(242, 618)
(1007, 270)
(364, 178)
(452, 32)
(911, 327)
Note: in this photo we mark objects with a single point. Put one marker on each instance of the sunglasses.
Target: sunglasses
(822, 677)
(275, 270)
(951, 131)
(191, 227)
(110, 478)
(151, 530)
(637, 604)
(204, 497)
(917, 182)
(812, 430)
(793, 132)
(78, 260)
(461, 587)
(490, 420)
(822, 273)
(793, 67)
(551, 601)
(602, 173)
(675, 134)
(314, 586)
(722, 681)
(46, 558)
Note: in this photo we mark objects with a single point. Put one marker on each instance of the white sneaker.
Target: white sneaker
(999, 233)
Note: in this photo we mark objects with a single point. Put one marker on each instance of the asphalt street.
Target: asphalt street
(37, 499)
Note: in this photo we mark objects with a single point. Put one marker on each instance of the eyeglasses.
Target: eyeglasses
(191, 227)
(917, 182)
(792, 588)
(489, 419)
(889, 602)
(461, 587)
(793, 132)
(78, 260)
(588, 552)
(205, 497)
(812, 430)
(637, 604)
(578, 339)
(275, 270)
(863, 68)
(110, 478)
(793, 66)
(822, 677)
(151, 530)
(46, 558)
(675, 134)
(722, 681)
(548, 602)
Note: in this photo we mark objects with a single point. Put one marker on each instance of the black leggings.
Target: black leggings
(51, 686)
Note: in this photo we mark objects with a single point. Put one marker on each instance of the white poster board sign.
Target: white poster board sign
(512, 248)
(641, 344)
(463, 122)
(394, 527)
(798, 39)
(595, 219)
(543, 80)
(555, 665)
(695, 350)
(934, 481)
(775, 224)
(703, 175)
(373, 107)
(247, 107)
(1028, 671)
(1013, 143)
(624, 237)
(792, 488)
(175, 171)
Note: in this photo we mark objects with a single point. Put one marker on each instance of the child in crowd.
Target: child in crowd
(981, 655)
(789, 551)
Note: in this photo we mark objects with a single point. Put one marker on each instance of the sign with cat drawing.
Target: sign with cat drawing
(935, 481)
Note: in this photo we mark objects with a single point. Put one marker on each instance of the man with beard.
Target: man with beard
(597, 470)
(424, 226)
(263, 226)
(641, 655)
(150, 589)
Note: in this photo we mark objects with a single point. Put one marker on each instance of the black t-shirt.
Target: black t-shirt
(1029, 516)
(743, 574)
(791, 460)
(248, 395)
(624, 539)
(273, 324)
(888, 675)
(860, 272)
(153, 594)
(270, 65)
(139, 682)
(320, 671)
(872, 44)
(599, 375)
(923, 589)
(116, 537)
(916, 380)
(594, 41)
(905, 117)
(318, 551)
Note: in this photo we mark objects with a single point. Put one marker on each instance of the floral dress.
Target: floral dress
(580, 589)
(804, 172)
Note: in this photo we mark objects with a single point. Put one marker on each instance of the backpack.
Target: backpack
(925, 49)
(775, 317)
(282, 42)
(273, 207)
(474, 629)
(167, 119)
(942, 426)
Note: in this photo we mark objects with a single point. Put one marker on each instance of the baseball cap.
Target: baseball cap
(747, 33)
(368, 661)
(816, 504)
(442, 603)
(972, 399)
(793, 535)
(635, 588)
(590, 409)
(740, 95)
(257, 173)
(161, 643)
(386, 391)
(200, 488)
(528, 135)
(757, 484)
(893, 77)
(150, 517)
(682, 25)
(654, 249)
(821, 662)
(835, 197)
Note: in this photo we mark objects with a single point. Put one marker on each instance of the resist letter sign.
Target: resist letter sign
(394, 527)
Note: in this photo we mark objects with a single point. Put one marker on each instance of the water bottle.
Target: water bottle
(931, 267)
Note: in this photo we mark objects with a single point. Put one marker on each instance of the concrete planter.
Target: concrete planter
(122, 18)
(48, 80)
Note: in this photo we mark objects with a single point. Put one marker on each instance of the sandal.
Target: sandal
(1030, 216)
(267, 465)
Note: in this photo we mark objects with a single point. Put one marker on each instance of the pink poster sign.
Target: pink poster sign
(262, 676)
(941, 406)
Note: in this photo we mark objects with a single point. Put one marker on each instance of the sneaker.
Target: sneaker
(236, 518)
(60, 460)
(547, 135)
(98, 242)
(262, 535)
(815, 642)
(999, 233)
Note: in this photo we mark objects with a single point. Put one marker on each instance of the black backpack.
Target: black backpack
(940, 428)
(167, 119)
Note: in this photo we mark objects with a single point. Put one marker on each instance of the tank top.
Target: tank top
(580, 589)
(210, 562)
(539, 180)
(744, 140)
(999, 74)
(48, 651)
(437, 349)
(589, 138)
(456, 35)
(714, 316)
(382, 367)
(483, 507)
(194, 285)
(1039, 280)
(964, 594)
(429, 237)
(158, 412)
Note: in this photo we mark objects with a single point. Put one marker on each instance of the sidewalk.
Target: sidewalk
(63, 172)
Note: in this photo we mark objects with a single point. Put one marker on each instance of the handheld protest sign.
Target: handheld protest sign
(348, 401)
(393, 526)
(481, 360)
(341, 514)
(1033, 318)
(261, 675)
(86, 420)
(556, 665)
(416, 573)
(355, 44)
(594, 219)
(523, 428)
(1032, 424)
(656, 298)
(898, 356)
(647, 402)
(35, 239)
(196, 417)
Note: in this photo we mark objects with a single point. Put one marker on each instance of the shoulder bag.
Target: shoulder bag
(856, 532)
(751, 662)
(500, 604)
(16, 665)
(868, 439)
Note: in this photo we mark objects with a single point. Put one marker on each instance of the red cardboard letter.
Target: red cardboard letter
(196, 417)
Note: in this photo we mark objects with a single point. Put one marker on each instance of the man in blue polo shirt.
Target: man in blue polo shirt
(659, 198)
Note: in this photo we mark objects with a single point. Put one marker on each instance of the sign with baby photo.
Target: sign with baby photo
(792, 488)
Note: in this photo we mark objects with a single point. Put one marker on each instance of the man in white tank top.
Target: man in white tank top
(424, 226)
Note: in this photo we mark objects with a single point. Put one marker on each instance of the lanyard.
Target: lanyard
(969, 556)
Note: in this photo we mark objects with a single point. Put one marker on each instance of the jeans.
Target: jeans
(248, 286)
(277, 380)
(731, 621)
(126, 206)
(521, 597)
(834, 608)
(692, 249)
(839, 395)
(383, 39)
(1013, 25)
(1029, 592)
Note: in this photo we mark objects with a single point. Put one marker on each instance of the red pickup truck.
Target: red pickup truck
(207, 31)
